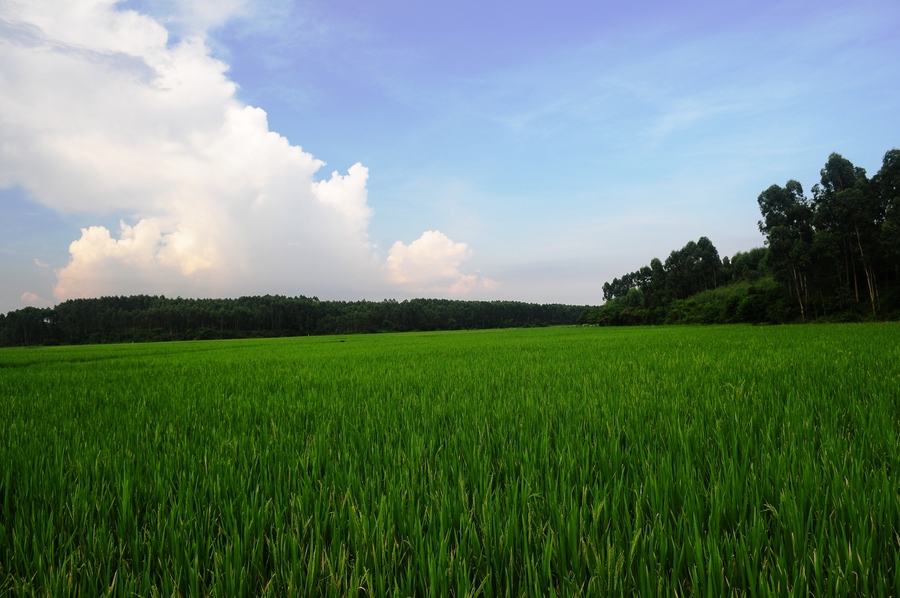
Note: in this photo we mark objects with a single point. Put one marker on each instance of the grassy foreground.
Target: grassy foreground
(571, 461)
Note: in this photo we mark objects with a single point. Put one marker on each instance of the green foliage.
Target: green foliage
(684, 290)
(560, 461)
(747, 265)
(759, 301)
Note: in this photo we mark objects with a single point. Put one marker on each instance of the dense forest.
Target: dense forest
(831, 256)
(146, 318)
(834, 256)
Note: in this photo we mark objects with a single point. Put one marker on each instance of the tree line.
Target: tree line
(833, 256)
(157, 318)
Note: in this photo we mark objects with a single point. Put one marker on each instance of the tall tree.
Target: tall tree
(847, 206)
(709, 263)
(886, 184)
(787, 225)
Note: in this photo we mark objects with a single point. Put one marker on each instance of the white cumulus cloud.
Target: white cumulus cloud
(431, 264)
(104, 114)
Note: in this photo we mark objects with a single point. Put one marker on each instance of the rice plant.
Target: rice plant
(563, 461)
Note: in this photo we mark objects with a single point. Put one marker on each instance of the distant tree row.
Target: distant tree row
(150, 318)
(834, 256)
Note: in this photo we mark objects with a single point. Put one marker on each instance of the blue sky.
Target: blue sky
(524, 151)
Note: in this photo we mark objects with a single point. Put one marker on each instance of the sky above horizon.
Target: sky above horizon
(349, 150)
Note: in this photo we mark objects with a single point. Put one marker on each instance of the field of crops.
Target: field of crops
(570, 461)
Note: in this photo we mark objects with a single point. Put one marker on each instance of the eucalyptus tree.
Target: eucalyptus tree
(886, 184)
(788, 226)
(847, 206)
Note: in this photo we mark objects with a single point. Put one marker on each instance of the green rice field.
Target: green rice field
(710, 461)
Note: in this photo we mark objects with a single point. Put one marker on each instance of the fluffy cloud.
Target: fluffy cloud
(431, 264)
(103, 114)
(35, 300)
